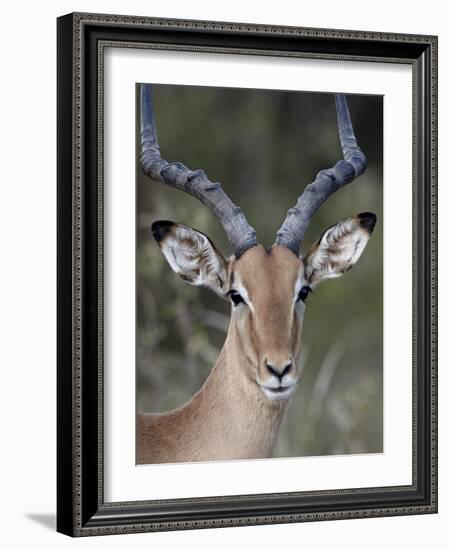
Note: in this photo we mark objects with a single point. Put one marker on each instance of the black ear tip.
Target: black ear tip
(367, 220)
(161, 229)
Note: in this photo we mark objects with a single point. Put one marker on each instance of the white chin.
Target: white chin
(276, 395)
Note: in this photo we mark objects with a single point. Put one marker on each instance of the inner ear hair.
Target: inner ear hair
(191, 255)
(339, 248)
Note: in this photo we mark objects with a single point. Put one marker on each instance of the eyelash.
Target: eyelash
(236, 297)
(303, 293)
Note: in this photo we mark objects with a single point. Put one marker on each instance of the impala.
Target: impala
(237, 412)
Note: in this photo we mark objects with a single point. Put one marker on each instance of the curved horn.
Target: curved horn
(326, 182)
(195, 182)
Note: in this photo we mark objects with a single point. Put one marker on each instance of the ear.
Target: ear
(192, 255)
(339, 248)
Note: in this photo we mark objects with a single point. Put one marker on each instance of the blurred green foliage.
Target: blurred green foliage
(264, 147)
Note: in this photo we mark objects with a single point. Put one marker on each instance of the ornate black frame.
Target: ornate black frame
(81, 510)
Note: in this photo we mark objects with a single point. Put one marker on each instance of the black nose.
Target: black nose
(279, 373)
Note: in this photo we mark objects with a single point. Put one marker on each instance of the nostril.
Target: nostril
(272, 370)
(279, 373)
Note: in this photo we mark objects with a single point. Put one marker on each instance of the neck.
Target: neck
(237, 419)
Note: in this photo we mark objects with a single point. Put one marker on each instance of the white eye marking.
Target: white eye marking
(300, 306)
(238, 287)
(301, 282)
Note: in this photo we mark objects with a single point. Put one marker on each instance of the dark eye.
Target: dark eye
(236, 297)
(303, 293)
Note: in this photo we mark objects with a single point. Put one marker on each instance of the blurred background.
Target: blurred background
(265, 147)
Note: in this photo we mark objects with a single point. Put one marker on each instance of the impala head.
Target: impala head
(267, 288)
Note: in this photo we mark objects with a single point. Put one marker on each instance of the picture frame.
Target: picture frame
(81, 506)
